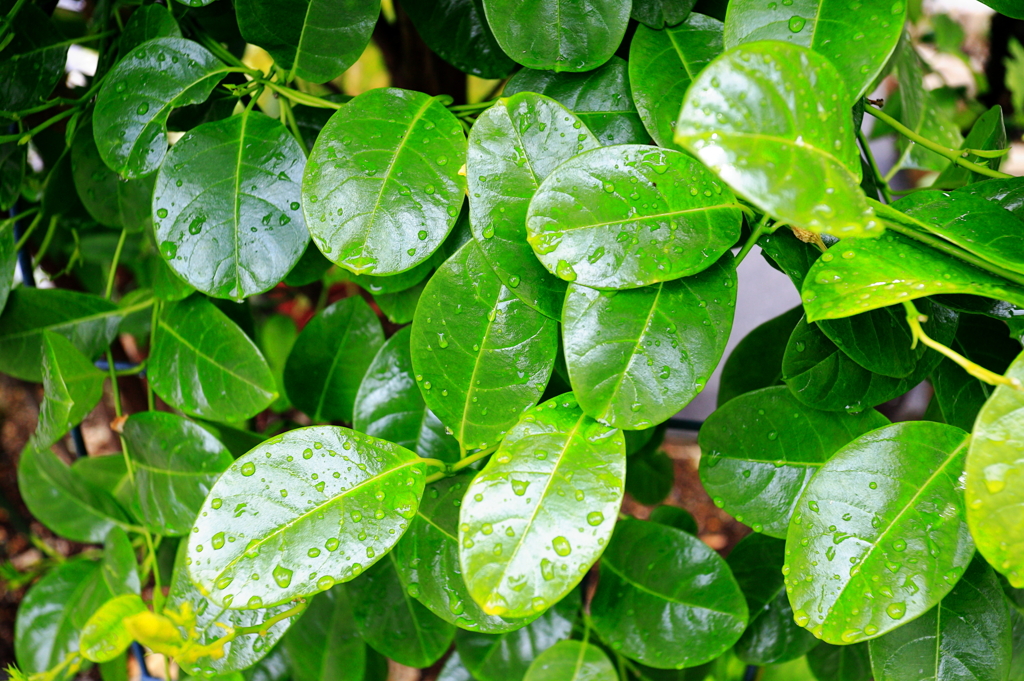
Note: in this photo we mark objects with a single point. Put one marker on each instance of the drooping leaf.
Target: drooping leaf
(312, 532)
(104, 635)
(389, 404)
(329, 358)
(540, 512)
(658, 14)
(226, 206)
(988, 132)
(995, 500)
(323, 643)
(560, 35)
(857, 39)
(176, 463)
(513, 147)
(88, 321)
(393, 622)
(204, 365)
(637, 357)
(481, 355)
(756, 361)
(572, 661)
(630, 215)
(762, 448)
(840, 663)
(382, 175)
(109, 200)
(965, 637)
(137, 96)
(601, 98)
(771, 636)
(33, 60)
(72, 386)
(900, 541)
(791, 154)
(147, 23)
(316, 40)
(665, 598)
(663, 64)
(457, 31)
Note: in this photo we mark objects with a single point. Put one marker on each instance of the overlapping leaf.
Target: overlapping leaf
(324, 643)
(571, 661)
(457, 31)
(72, 386)
(109, 200)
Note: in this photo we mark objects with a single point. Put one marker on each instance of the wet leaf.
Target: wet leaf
(104, 635)
(457, 31)
(33, 60)
(572, 661)
(146, 23)
(988, 132)
(660, 13)
(324, 643)
(72, 386)
(109, 200)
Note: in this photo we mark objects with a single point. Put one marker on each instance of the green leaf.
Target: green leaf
(738, 117)
(1006, 7)
(506, 657)
(771, 636)
(8, 264)
(650, 475)
(601, 98)
(104, 635)
(383, 175)
(400, 307)
(204, 365)
(988, 132)
(393, 622)
(756, 361)
(666, 599)
(389, 404)
(427, 560)
(12, 174)
(481, 355)
(226, 206)
(110, 200)
(629, 216)
(330, 356)
(658, 14)
(1007, 192)
(454, 670)
(637, 357)
(572, 661)
(176, 463)
(33, 61)
(392, 283)
(900, 541)
(311, 267)
(316, 40)
(560, 35)
(457, 31)
(137, 95)
(856, 39)
(663, 63)
(674, 516)
(63, 501)
(356, 505)
(965, 636)
(840, 663)
(147, 23)
(995, 500)
(276, 339)
(882, 272)
(72, 386)
(88, 321)
(323, 643)
(513, 146)
(540, 512)
(762, 448)
(109, 474)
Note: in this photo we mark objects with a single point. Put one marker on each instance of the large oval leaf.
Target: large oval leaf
(204, 365)
(384, 174)
(330, 356)
(324, 643)
(965, 637)
(858, 39)
(630, 215)
(663, 63)
(539, 514)
(601, 98)
(226, 206)
(558, 35)
(457, 31)
(995, 499)
(761, 449)
(879, 535)
(34, 57)
(637, 357)
(109, 200)
(481, 355)
(572, 661)
(513, 146)
(665, 599)
(788, 150)
(316, 40)
(333, 502)
(175, 464)
(137, 95)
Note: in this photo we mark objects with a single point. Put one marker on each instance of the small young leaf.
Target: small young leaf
(72, 386)
(571, 661)
(104, 635)
(324, 643)
(988, 132)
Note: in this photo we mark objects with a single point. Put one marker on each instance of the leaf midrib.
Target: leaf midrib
(606, 562)
(163, 323)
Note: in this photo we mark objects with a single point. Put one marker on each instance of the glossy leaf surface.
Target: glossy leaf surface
(146, 23)
(260, 555)
(330, 356)
(629, 216)
(749, 120)
(571, 661)
(109, 200)
(457, 31)
(685, 610)
(761, 450)
(637, 357)
(756, 361)
(840, 663)
(104, 635)
(484, 355)
(72, 386)
(226, 206)
(324, 642)
(988, 132)
(382, 175)
(894, 498)
(660, 13)
(33, 59)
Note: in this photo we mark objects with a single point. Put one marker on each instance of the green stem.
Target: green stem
(112, 275)
(220, 51)
(158, 593)
(301, 97)
(759, 229)
(84, 39)
(9, 222)
(8, 20)
(436, 463)
(51, 229)
(879, 177)
(452, 469)
(134, 371)
(263, 628)
(154, 320)
(28, 232)
(23, 138)
(954, 155)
